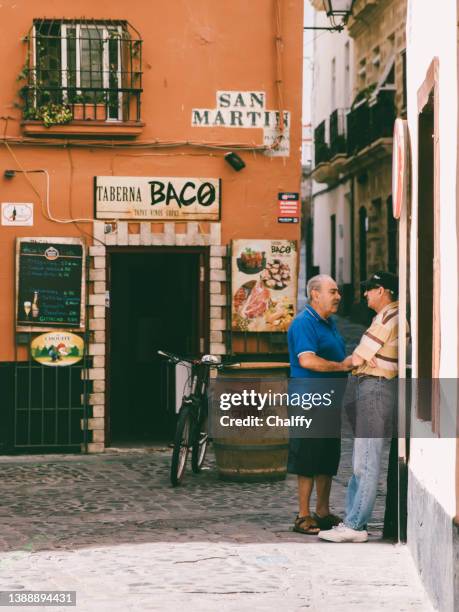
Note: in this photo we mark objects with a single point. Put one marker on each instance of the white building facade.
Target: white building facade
(429, 231)
(332, 92)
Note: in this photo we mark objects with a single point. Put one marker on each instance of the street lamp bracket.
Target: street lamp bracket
(333, 9)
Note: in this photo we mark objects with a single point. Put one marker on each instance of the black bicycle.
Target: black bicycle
(191, 430)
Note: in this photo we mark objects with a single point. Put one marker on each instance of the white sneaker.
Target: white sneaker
(341, 533)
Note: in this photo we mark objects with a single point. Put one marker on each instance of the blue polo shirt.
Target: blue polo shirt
(310, 333)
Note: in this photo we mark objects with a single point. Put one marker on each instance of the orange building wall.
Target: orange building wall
(190, 50)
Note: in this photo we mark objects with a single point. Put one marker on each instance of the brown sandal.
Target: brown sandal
(306, 524)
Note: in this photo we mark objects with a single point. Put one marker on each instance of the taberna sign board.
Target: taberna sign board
(157, 198)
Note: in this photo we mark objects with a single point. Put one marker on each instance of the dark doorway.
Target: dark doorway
(426, 226)
(363, 228)
(333, 246)
(392, 238)
(155, 303)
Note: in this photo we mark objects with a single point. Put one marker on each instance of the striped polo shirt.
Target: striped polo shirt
(380, 342)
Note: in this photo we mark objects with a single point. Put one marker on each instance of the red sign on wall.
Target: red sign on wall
(289, 207)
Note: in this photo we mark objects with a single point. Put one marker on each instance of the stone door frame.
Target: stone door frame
(143, 234)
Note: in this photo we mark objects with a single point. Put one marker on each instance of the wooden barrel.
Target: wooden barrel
(253, 453)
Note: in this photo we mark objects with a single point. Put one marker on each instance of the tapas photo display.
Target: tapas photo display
(264, 285)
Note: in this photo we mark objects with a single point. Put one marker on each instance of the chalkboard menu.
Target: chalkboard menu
(49, 283)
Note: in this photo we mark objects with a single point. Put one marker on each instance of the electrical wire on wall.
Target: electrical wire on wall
(145, 144)
(45, 206)
(70, 201)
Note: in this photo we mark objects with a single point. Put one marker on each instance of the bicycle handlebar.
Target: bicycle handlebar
(178, 359)
(168, 356)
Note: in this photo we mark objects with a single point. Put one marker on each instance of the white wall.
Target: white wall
(432, 33)
(328, 47)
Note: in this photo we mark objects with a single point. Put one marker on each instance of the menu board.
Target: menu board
(263, 284)
(49, 283)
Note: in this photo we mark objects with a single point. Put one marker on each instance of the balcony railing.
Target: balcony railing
(324, 150)
(321, 148)
(366, 124)
(62, 104)
(338, 132)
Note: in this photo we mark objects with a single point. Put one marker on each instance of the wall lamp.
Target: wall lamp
(9, 174)
(235, 161)
(335, 9)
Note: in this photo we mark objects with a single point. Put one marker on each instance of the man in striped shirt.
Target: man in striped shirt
(370, 401)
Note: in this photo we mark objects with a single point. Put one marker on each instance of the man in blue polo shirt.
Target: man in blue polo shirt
(316, 351)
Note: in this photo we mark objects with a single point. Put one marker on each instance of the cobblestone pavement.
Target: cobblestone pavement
(70, 502)
(111, 527)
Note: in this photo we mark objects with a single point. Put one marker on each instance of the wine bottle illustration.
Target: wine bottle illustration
(35, 305)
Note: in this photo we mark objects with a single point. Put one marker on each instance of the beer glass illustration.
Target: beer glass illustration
(27, 308)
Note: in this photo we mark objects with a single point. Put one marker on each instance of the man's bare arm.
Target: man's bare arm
(357, 360)
(310, 361)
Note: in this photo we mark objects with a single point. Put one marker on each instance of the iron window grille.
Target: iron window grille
(92, 68)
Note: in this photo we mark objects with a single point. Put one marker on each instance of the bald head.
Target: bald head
(315, 283)
(323, 295)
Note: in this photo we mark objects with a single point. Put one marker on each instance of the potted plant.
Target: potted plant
(50, 114)
(89, 107)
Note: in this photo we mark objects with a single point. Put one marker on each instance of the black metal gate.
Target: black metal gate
(47, 407)
(50, 405)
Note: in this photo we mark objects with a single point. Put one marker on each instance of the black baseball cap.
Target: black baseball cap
(387, 280)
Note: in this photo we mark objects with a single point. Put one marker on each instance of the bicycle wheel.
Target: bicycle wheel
(200, 442)
(181, 441)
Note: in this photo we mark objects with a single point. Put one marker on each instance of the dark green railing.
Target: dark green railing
(367, 123)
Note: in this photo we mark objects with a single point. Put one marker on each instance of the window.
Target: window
(427, 356)
(347, 74)
(92, 68)
(363, 229)
(376, 59)
(333, 246)
(392, 238)
(333, 84)
(362, 73)
(390, 80)
(426, 254)
(404, 86)
(390, 44)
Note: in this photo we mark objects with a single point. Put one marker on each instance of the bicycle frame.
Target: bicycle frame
(198, 391)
